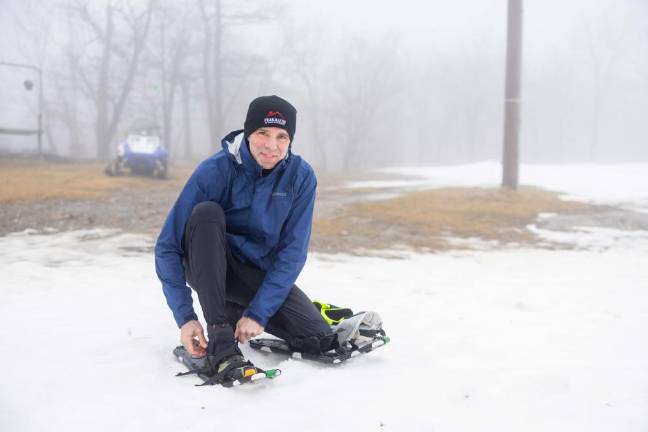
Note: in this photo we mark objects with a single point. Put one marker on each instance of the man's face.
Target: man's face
(269, 145)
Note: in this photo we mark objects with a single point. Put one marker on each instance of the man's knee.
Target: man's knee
(207, 211)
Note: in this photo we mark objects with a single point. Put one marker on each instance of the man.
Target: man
(238, 235)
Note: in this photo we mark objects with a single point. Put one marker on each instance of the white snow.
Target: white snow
(595, 238)
(489, 340)
(620, 184)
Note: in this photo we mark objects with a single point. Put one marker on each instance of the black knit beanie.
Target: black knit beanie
(270, 111)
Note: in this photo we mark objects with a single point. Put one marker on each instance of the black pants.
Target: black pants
(225, 285)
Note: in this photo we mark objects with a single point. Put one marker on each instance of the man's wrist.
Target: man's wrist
(190, 317)
(259, 320)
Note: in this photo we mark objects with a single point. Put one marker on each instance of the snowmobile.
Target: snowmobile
(141, 153)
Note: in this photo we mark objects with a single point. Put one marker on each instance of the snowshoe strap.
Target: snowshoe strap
(214, 360)
(219, 378)
(211, 363)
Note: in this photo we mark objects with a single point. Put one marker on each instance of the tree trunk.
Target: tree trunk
(186, 119)
(139, 41)
(217, 82)
(101, 99)
(212, 71)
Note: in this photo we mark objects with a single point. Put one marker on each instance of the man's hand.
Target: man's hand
(193, 339)
(246, 329)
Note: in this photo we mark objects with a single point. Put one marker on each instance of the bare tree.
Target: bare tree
(303, 51)
(366, 82)
(108, 94)
(212, 69)
(66, 109)
(215, 21)
(165, 58)
(36, 41)
(186, 119)
(604, 44)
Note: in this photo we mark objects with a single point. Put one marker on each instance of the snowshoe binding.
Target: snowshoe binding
(231, 371)
(224, 363)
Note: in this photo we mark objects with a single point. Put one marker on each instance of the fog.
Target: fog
(376, 83)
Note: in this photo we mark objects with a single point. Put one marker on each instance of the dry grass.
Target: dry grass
(468, 211)
(425, 219)
(25, 180)
(420, 220)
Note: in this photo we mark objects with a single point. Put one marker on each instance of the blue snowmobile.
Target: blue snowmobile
(141, 153)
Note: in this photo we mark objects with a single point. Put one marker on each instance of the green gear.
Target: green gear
(333, 315)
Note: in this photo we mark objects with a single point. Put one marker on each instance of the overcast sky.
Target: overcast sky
(577, 55)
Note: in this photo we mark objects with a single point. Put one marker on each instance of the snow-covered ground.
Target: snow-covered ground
(506, 340)
(625, 185)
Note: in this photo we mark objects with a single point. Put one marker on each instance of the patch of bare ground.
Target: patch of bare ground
(65, 196)
(68, 196)
(33, 180)
(433, 220)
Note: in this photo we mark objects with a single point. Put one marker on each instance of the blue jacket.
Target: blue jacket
(268, 220)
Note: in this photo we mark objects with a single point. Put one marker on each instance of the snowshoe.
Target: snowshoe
(356, 335)
(232, 371)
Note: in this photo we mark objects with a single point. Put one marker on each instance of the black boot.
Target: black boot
(225, 362)
(314, 344)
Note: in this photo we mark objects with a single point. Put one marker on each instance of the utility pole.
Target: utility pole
(40, 113)
(510, 157)
(28, 86)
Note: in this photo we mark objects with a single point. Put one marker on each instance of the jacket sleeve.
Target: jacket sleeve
(290, 256)
(169, 249)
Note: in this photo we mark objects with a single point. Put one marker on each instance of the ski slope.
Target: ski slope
(493, 340)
